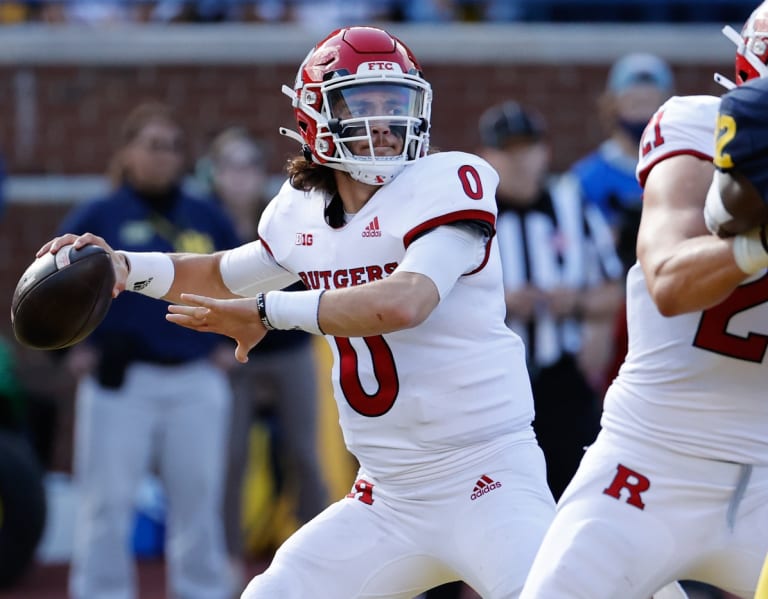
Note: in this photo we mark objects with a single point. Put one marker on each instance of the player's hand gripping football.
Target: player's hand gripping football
(119, 263)
(235, 318)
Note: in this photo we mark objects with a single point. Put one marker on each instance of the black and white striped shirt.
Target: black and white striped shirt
(556, 242)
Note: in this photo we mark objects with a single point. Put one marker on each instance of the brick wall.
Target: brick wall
(77, 111)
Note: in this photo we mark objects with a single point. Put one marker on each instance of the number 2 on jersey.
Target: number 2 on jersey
(725, 132)
(713, 332)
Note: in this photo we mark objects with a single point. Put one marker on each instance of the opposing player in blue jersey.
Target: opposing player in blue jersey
(736, 202)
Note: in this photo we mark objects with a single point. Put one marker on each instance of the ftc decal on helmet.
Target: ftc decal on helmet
(355, 84)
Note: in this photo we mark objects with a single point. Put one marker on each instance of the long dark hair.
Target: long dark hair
(305, 175)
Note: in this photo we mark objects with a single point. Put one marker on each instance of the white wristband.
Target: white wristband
(291, 310)
(149, 273)
(750, 250)
(715, 212)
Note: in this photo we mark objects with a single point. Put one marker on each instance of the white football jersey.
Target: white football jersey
(694, 383)
(682, 125)
(406, 399)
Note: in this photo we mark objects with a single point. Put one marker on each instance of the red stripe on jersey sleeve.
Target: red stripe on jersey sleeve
(445, 219)
(266, 247)
(643, 174)
(454, 217)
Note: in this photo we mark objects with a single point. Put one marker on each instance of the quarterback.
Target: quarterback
(676, 485)
(396, 248)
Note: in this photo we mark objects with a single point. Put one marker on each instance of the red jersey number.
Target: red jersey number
(373, 404)
(713, 332)
(652, 137)
(471, 182)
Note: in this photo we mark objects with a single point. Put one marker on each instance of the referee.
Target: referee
(562, 280)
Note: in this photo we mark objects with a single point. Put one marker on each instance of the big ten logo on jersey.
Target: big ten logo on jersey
(304, 239)
(362, 490)
(631, 481)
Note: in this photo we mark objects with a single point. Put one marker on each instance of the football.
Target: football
(61, 298)
(743, 202)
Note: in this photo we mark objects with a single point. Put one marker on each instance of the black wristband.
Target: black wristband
(261, 306)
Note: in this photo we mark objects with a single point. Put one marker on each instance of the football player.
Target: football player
(396, 248)
(735, 202)
(676, 485)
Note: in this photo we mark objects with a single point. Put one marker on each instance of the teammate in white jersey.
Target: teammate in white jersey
(676, 485)
(396, 248)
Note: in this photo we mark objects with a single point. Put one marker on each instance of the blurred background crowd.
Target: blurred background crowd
(417, 11)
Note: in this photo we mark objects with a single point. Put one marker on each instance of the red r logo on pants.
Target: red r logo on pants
(362, 491)
(632, 481)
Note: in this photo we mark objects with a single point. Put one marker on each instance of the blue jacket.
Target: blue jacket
(129, 222)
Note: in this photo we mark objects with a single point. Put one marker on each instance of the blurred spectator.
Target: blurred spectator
(90, 12)
(637, 85)
(22, 495)
(633, 11)
(149, 394)
(12, 12)
(327, 14)
(11, 393)
(278, 384)
(98, 11)
(423, 10)
(320, 13)
(314, 13)
(560, 273)
(202, 11)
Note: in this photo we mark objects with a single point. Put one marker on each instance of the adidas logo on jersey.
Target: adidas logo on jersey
(372, 230)
(485, 484)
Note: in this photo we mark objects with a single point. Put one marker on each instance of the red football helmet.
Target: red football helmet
(350, 85)
(751, 46)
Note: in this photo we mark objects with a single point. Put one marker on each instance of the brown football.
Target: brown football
(61, 298)
(743, 202)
